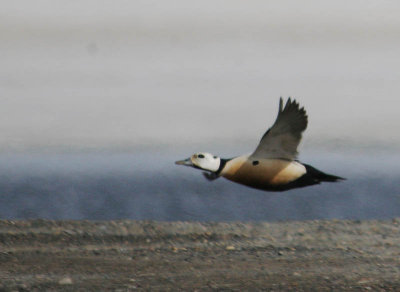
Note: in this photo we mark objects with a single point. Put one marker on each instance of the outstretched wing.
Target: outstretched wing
(282, 139)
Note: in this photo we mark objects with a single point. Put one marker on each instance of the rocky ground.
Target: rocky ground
(41, 255)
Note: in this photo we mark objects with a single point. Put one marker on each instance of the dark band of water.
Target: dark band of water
(146, 186)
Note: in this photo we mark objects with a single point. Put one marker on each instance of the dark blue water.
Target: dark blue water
(102, 186)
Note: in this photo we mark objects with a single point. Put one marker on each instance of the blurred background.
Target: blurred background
(99, 98)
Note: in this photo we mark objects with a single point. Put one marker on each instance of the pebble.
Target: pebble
(65, 281)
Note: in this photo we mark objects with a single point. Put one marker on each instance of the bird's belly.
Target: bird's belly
(263, 173)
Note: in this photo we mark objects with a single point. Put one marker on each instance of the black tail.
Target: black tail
(321, 176)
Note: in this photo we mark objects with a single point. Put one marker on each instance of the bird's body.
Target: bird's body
(262, 173)
(273, 165)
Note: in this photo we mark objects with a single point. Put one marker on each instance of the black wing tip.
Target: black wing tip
(289, 102)
(292, 106)
(292, 102)
(280, 105)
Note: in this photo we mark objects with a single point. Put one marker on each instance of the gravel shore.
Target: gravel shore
(44, 255)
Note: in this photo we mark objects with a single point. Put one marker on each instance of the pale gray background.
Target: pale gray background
(107, 74)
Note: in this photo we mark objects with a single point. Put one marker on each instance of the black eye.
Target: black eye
(200, 156)
(215, 157)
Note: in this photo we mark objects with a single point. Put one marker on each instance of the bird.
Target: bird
(273, 166)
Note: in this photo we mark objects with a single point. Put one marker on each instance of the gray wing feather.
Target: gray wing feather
(283, 138)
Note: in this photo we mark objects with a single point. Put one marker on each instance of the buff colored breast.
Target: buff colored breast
(262, 173)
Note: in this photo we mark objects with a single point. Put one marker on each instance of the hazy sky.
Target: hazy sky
(112, 74)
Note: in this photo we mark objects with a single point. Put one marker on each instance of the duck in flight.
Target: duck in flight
(273, 165)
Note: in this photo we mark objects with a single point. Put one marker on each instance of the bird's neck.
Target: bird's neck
(222, 164)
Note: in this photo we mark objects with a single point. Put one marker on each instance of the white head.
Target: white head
(202, 160)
